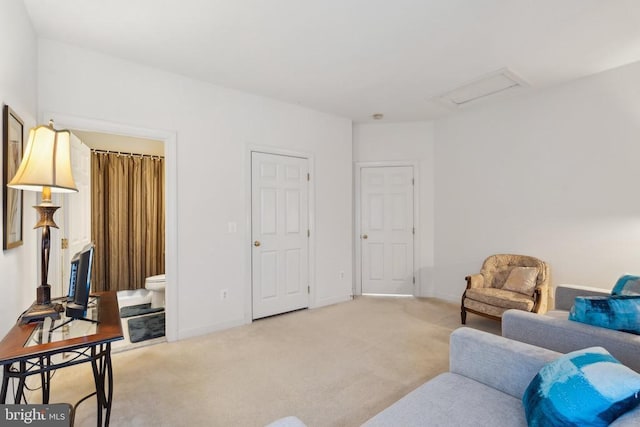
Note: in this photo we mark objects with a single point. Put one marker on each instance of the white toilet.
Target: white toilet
(156, 284)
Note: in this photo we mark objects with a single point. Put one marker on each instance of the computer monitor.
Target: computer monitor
(80, 283)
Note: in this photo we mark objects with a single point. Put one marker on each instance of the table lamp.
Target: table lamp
(46, 167)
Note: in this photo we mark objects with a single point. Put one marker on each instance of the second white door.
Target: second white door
(77, 206)
(387, 230)
(73, 218)
(280, 233)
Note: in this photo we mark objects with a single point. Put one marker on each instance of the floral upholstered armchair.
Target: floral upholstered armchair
(506, 282)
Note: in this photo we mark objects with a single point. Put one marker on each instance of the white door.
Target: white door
(280, 233)
(387, 230)
(74, 217)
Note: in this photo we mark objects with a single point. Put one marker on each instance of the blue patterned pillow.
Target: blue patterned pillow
(621, 313)
(627, 285)
(582, 388)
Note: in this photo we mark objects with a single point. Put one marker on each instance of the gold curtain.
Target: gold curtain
(127, 202)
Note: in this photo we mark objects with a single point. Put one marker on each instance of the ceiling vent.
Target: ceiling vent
(491, 84)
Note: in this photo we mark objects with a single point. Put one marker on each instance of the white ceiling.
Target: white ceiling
(354, 58)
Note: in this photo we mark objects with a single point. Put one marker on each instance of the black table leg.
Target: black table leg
(102, 370)
(21, 382)
(98, 379)
(109, 371)
(5, 384)
(45, 378)
(7, 375)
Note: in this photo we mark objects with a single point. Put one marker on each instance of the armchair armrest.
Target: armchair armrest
(475, 281)
(541, 299)
(479, 355)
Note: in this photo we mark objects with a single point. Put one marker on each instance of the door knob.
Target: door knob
(256, 243)
(364, 236)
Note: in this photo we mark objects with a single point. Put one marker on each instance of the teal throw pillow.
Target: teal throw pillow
(582, 388)
(627, 285)
(621, 313)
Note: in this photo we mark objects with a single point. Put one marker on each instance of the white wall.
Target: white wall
(124, 144)
(18, 85)
(414, 142)
(553, 175)
(214, 127)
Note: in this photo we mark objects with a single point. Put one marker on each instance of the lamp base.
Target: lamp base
(43, 295)
(39, 312)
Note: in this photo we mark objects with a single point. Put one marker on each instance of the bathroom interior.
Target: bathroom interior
(141, 299)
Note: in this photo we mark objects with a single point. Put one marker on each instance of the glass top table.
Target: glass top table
(66, 328)
(34, 349)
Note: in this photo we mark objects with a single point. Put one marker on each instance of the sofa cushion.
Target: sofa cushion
(627, 285)
(521, 280)
(583, 388)
(500, 298)
(452, 400)
(621, 313)
(486, 309)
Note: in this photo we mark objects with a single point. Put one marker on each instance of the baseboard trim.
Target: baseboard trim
(330, 301)
(448, 296)
(195, 332)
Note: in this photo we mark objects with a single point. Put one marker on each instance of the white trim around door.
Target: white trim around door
(171, 202)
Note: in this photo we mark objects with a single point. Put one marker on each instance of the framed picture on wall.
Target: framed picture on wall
(12, 146)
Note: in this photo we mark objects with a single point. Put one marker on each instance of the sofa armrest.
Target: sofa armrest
(564, 335)
(566, 294)
(500, 363)
(475, 281)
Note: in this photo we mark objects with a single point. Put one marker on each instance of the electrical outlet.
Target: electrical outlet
(341, 275)
(223, 294)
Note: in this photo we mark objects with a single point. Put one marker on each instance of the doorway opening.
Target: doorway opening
(127, 210)
(127, 227)
(128, 139)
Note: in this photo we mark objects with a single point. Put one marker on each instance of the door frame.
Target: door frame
(171, 205)
(357, 242)
(251, 148)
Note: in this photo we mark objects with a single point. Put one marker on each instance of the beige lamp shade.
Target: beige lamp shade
(46, 162)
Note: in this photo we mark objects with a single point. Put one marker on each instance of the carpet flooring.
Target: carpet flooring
(332, 366)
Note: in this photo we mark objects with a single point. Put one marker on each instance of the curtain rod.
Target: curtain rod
(121, 153)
